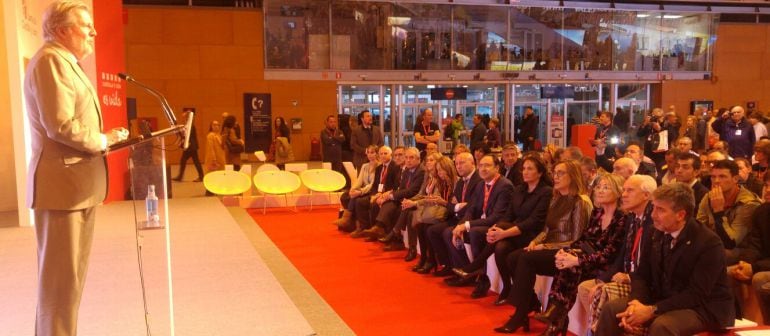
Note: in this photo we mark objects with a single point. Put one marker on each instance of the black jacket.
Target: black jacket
(513, 174)
(694, 278)
(528, 210)
(755, 248)
(458, 197)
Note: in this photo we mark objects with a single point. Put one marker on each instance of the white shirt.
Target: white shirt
(760, 130)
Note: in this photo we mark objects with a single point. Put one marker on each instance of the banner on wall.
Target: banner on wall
(257, 116)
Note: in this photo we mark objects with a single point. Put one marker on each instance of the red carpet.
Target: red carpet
(375, 292)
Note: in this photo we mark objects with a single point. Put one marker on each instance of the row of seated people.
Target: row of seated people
(634, 255)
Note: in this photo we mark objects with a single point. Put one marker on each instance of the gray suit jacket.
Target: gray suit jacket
(67, 170)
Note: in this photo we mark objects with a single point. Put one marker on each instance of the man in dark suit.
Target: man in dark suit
(364, 136)
(386, 208)
(190, 152)
(681, 286)
(478, 132)
(385, 179)
(490, 203)
(528, 129)
(686, 171)
(332, 140)
(511, 166)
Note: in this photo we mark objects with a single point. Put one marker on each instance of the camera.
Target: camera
(614, 140)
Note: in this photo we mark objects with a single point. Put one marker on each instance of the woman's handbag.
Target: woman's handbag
(430, 214)
(234, 147)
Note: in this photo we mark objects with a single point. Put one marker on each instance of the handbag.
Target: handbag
(430, 214)
(234, 148)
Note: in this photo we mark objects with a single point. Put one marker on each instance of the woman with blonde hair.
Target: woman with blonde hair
(408, 207)
(568, 214)
(362, 186)
(432, 209)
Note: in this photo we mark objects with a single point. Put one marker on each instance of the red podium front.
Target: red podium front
(580, 136)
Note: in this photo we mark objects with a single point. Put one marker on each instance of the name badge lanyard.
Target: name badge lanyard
(487, 192)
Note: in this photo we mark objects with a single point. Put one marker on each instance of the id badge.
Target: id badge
(380, 187)
(738, 132)
(483, 216)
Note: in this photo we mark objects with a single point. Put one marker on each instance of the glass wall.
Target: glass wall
(417, 36)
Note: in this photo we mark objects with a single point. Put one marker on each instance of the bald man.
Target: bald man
(624, 167)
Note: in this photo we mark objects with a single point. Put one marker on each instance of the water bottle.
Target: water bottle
(151, 203)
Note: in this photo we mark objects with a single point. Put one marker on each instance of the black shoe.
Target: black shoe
(420, 264)
(482, 288)
(458, 282)
(559, 328)
(514, 324)
(394, 246)
(443, 272)
(427, 268)
(411, 255)
(373, 238)
(468, 275)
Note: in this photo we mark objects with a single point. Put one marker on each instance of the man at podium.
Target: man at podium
(67, 171)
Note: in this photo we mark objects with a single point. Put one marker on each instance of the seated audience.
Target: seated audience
(615, 282)
(511, 167)
(681, 285)
(761, 157)
(754, 264)
(748, 179)
(707, 161)
(362, 186)
(523, 221)
(588, 256)
(489, 205)
(668, 170)
(385, 179)
(624, 167)
(590, 172)
(568, 214)
(687, 167)
(440, 234)
(431, 210)
(634, 152)
(728, 207)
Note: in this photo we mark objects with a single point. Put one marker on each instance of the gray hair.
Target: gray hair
(646, 183)
(59, 15)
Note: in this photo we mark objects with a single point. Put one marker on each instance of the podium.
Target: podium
(147, 167)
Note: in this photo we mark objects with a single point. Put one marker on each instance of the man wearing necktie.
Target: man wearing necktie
(489, 205)
(386, 208)
(67, 169)
(681, 285)
(385, 179)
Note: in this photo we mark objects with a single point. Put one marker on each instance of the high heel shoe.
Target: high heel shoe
(514, 324)
(427, 268)
(411, 254)
(467, 275)
(420, 264)
(556, 329)
(553, 314)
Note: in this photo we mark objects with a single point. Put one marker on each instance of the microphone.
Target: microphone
(163, 102)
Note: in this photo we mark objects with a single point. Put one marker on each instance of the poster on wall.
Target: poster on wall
(257, 115)
(556, 132)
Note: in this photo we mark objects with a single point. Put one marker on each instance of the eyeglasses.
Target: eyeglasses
(559, 173)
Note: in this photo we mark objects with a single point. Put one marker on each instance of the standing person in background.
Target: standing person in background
(605, 139)
(67, 169)
(493, 134)
(739, 134)
(426, 132)
(478, 132)
(215, 154)
(332, 140)
(756, 119)
(231, 138)
(528, 129)
(190, 152)
(214, 159)
(364, 136)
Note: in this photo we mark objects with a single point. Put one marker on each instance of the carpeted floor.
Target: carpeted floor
(373, 291)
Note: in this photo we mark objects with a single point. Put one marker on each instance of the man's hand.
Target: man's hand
(717, 199)
(494, 234)
(636, 315)
(743, 271)
(407, 203)
(116, 135)
(354, 193)
(458, 231)
(460, 206)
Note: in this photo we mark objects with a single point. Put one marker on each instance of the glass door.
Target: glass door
(528, 96)
(633, 99)
(579, 113)
(414, 99)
